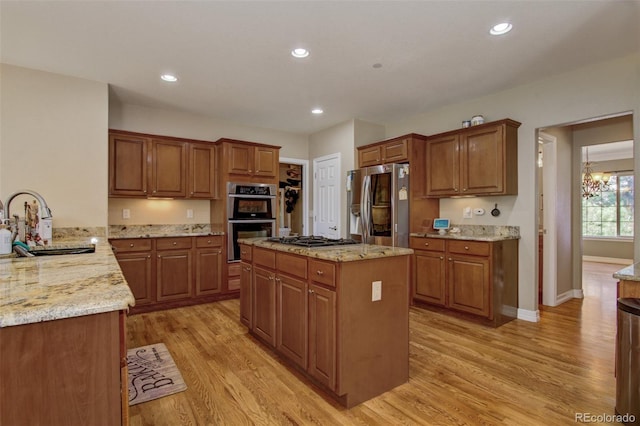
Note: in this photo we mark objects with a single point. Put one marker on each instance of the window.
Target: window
(610, 213)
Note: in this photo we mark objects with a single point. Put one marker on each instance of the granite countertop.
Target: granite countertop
(629, 273)
(475, 233)
(44, 288)
(346, 253)
(159, 231)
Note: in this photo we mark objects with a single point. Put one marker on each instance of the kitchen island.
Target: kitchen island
(629, 284)
(62, 345)
(338, 314)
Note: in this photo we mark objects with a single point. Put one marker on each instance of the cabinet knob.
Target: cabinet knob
(426, 244)
(270, 278)
(174, 243)
(319, 272)
(441, 257)
(277, 280)
(464, 190)
(311, 291)
(455, 189)
(191, 192)
(208, 241)
(466, 247)
(154, 191)
(219, 251)
(450, 259)
(131, 245)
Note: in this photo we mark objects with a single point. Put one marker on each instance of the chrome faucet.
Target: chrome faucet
(45, 212)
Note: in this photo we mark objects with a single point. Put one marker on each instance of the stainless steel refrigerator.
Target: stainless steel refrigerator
(378, 205)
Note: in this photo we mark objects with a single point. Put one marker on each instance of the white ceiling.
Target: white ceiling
(233, 61)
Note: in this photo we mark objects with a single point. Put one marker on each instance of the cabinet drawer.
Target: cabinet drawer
(431, 244)
(264, 257)
(234, 270)
(208, 241)
(291, 264)
(245, 252)
(173, 243)
(133, 244)
(322, 272)
(476, 248)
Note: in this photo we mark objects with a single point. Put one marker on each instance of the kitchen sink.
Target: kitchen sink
(60, 250)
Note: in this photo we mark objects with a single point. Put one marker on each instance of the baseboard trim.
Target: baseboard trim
(601, 259)
(531, 316)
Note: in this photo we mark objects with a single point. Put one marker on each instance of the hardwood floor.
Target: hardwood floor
(460, 373)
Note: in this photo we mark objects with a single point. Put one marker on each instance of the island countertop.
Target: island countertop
(44, 288)
(629, 273)
(342, 253)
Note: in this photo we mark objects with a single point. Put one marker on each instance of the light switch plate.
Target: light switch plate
(126, 213)
(467, 213)
(376, 291)
(189, 213)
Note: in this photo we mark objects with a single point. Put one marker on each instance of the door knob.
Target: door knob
(334, 228)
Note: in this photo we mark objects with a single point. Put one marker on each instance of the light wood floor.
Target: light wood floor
(461, 373)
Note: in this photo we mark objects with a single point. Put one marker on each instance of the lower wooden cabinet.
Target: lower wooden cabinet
(474, 277)
(306, 308)
(169, 272)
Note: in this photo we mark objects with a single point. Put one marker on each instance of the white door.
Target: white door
(549, 241)
(326, 196)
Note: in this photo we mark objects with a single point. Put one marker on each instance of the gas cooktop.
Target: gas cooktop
(312, 241)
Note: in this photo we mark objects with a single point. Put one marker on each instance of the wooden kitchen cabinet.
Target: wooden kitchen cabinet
(128, 175)
(168, 168)
(246, 294)
(474, 277)
(142, 166)
(479, 160)
(321, 315)
(173, 268)
(247, 159)
(136, 259)
(202, 171)
(208, 265)
(390, 151)
(429, 255)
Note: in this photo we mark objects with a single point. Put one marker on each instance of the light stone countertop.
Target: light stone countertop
(45, 288)
(475, 233)
(629, 273)
(160, 231)
(461, 236)
(346, 253)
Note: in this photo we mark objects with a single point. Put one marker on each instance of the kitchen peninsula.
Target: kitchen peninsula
(62, 325)
(339, 314)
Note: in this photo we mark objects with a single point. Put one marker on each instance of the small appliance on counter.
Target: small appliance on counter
(441, 225)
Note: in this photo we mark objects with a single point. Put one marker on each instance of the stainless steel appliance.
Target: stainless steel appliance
(313, 241)
(251, 212)
(378, 205)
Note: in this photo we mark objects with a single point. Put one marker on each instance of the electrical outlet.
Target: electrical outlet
(376, 291)
(189, 213)
(126, 213)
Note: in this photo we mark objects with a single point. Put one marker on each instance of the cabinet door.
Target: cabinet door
(483, 160)
(137, 269)
(168, 168)
(208, 269)
(202, 173)
(292, 319)
(173, 274)
(396, 151)
(322, 335)
(246, 294)
(469, 284)
(369, 156)
(442, 167)
(430, 273)
(264, 305)
(127, 165)
(265, 161)
(240, 159)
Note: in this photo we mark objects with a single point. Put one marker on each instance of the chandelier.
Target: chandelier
(593, 183)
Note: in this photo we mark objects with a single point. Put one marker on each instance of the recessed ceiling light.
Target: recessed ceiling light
(300, 53)
(317, 111)
(501, 28)
(169, 77)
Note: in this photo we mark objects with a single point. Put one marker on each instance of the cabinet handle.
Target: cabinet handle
(131, 245)
(270, 278)
(243, 252)
(466, 247)
(277, 280)
(426, 244)
(441, 257)
(464, 190)
(208, 241)
(450, 259)
(191, 192)
(219, 251)
(154, 191)
(174, 243)
(455, 189)
(319, 272)
(311, 291)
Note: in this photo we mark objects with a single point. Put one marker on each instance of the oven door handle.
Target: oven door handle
(260, 197)
(252, 220)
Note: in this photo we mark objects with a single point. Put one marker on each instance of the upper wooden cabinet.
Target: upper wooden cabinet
(480, 160)
(244, 160)
(155, 166)
(390, 151)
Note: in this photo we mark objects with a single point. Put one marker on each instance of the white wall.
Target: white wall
(53, 140)
(593, 91)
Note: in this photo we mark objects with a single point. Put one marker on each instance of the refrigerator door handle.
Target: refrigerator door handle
(365, 208)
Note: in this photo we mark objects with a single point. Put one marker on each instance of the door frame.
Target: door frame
(335, 156)
(549, 236)
(305, 189)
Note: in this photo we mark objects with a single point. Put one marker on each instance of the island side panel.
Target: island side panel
(68, 369)
(505, 281)
(373, 336)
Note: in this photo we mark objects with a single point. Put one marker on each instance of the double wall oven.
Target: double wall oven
(251, 209)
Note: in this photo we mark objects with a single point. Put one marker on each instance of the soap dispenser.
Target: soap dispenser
(5, 239)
